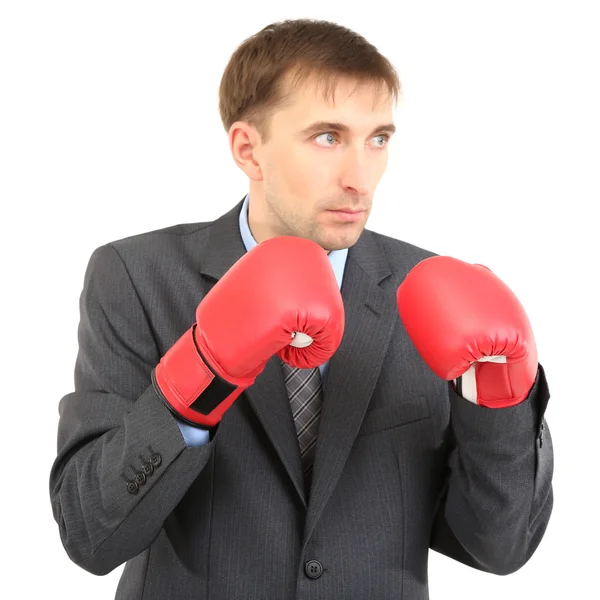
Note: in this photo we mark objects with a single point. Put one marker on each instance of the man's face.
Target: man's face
(306, 170)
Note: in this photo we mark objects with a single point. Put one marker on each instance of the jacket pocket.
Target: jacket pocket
(395, 415)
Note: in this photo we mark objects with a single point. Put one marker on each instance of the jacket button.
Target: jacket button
(132, 487)
(313, 568)
(156, 459)
(147, 468)
(140, 478)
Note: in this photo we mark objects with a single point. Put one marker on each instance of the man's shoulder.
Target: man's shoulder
(154, 236)
(179, 236)
(147, 252)
(172, 242)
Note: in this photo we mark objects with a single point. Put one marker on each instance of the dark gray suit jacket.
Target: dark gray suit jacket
(403, 464)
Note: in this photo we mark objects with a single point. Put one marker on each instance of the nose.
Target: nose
(355, 173)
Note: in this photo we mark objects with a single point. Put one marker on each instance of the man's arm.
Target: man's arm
(122, 464)
(497, 499)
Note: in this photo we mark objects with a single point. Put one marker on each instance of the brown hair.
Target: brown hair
(252, 86)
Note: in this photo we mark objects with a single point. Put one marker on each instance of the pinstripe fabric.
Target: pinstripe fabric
(306, 397)
(230, 519)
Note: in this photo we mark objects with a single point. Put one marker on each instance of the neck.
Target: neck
(257, 222)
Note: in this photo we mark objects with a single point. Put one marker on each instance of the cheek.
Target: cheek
(305, 170)
(288, 166)
(325, 169)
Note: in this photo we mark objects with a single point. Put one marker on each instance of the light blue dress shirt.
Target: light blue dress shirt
(198, 437)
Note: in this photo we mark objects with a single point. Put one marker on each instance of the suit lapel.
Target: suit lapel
(370, 317)
(270, 401)
(268, 396)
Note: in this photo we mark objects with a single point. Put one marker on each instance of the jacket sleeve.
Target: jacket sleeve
(122, 464)
(497, 497)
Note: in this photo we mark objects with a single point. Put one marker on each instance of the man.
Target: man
(282, 403)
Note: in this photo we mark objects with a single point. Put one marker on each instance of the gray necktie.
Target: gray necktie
(306, 397)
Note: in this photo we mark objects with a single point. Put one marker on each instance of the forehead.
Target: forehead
(336, 98)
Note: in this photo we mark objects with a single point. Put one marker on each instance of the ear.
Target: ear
(244, 143)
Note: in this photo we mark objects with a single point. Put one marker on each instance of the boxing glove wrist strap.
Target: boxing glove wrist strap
(190, 388)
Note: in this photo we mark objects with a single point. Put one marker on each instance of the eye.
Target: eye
(384, 137)
(330, 135)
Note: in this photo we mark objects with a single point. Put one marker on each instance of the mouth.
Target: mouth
(348, 210)
(347, 214)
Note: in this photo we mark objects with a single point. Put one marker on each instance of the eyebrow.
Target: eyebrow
(322, 126)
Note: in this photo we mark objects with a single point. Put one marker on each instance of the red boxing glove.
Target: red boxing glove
(464, 321)
(280, 298)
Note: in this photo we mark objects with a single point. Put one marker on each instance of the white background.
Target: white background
(109, 127)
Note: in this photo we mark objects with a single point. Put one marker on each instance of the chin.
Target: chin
(340, 241)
